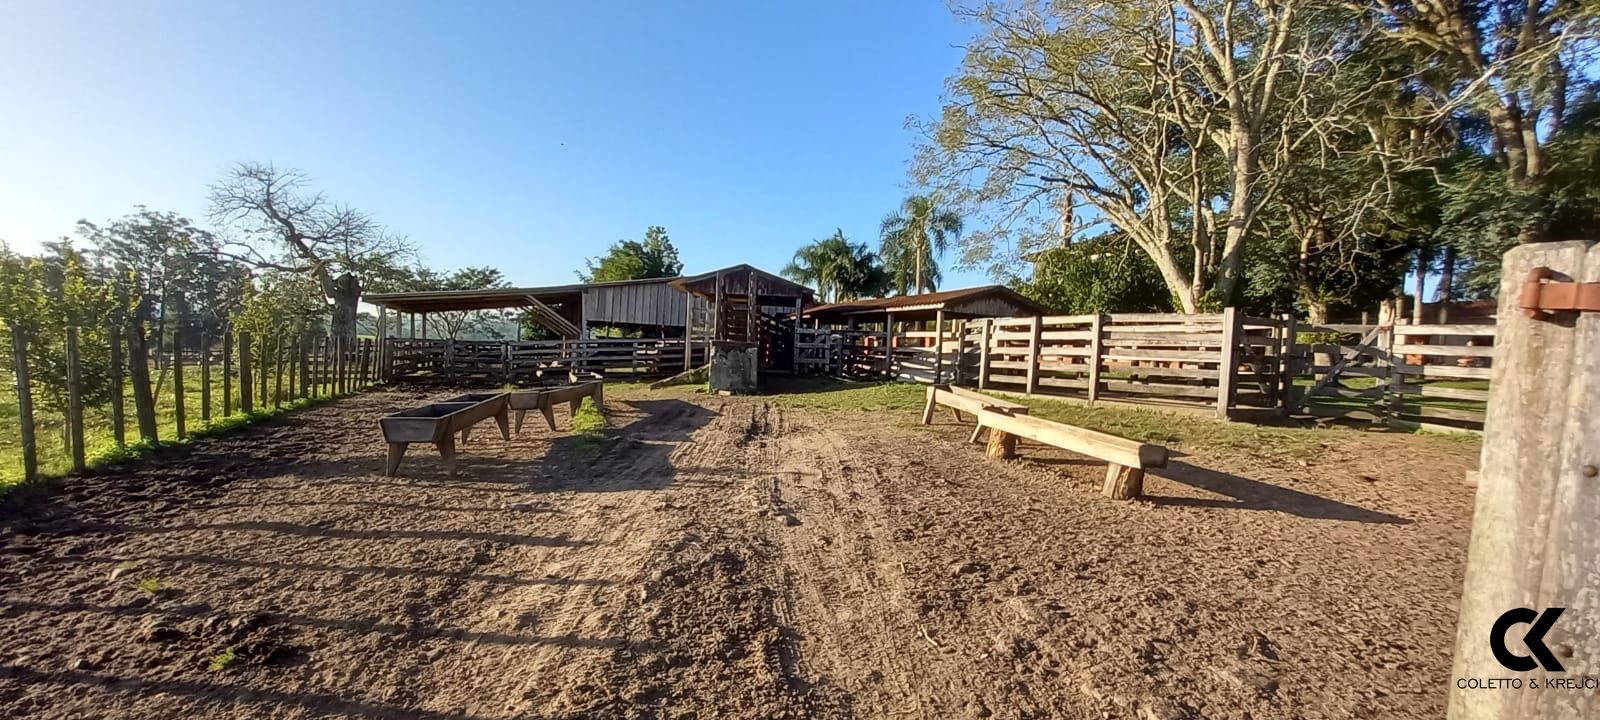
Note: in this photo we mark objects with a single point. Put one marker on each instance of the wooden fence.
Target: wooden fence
(1416, 376)
(255, 376)
(525, 362)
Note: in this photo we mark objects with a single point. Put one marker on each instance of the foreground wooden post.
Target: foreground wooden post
(1123, 482)
(119, 420)
(19, 360)
(246, 402)
(1536, 527)
(1097, 333)
(75, 400)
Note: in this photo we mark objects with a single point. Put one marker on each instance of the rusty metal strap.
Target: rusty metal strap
(1542, 295)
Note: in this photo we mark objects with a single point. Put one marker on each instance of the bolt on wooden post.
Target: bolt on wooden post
(1536, 526)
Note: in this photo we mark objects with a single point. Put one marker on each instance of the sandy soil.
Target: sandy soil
(729, 557)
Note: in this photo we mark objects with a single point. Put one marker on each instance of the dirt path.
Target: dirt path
(728, 557)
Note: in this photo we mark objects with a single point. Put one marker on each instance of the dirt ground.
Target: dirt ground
(730, 558)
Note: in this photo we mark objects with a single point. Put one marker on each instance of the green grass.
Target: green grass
(906, 400)
(222, 660)
(589, 427)
(100, 443)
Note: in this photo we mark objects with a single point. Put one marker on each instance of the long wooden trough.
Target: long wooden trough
(1007, 421)
(545, 399)
(439, 423)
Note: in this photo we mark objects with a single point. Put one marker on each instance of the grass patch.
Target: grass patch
(222, 660)
(850, 396)
(150, 586)
(589, 428)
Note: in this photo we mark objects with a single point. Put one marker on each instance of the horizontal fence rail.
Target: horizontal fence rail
(507, 361)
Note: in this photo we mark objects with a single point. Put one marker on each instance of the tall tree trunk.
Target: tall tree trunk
(346, 295)
(144, 401)
(917, 289)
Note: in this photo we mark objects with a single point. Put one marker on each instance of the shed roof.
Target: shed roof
(489, 298)
(967, 302)
(735, 279)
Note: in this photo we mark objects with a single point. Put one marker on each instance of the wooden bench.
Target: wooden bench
(438, 423)
(963, 400)
(545, 399)
(1007, 421)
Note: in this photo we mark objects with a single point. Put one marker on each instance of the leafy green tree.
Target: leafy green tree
(913, 239)
(653, 257)
(1106, 274)
(839, 269)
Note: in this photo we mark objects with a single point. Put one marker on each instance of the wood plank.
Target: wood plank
(1104, 446)
(1424, 330)
(1444, 371)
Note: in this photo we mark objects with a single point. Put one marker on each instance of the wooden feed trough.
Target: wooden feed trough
(545, 399)
(1007, 421)
(439, 422)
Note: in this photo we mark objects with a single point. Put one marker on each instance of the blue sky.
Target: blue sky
(526, 136)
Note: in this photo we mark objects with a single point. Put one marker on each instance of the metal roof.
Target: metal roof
(489, 298)
(944, 299)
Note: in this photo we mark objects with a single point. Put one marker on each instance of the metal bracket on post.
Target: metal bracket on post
(1542, 296)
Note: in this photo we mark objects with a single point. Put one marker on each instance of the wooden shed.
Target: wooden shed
(963, 303)
(652, 306)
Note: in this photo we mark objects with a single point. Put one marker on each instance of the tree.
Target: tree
(654, 257)
(1102, 275)
(914, 238)
(456, 322)
(288, 228)
(840, 270)
(1166, 121)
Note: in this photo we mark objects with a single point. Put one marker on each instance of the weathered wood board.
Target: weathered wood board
(439, 423)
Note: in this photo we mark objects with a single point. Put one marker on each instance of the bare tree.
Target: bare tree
(284, 226)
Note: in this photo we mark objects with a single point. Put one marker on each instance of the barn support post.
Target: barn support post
(888, 344)
(19, 360)
(688, 331)
(1536, 527)
(75, 400)
(794, 337)
(938, 347)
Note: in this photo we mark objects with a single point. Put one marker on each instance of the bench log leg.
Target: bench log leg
(976, 431)
(1002, 445)
(397, 451)
(503, 419)
(928, 408)
(520, 414)
(1123, 482)
(956, 413)
(549, 417)
(464, 433)
(447, 450)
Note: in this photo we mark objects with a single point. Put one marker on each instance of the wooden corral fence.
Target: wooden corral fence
(1224, 361)
(1411, 376)
(526, 361)
(255, 374)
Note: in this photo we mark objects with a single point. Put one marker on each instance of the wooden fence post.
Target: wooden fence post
(1096, 349)
(19, 366)
(938, 347)
(75, 400)
(277, 373)
(227, 371)
(1536, 527)
(119, 418)
(1228, 367)
(144, 399)
(246, 386)
(325, 374)
(303, 348)
(263, 372)
(1033, 354)
(366, 360)
(983, 355)
(1288, 365)
(205, 377)
(179, 417)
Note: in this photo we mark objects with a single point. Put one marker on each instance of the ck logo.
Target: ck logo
(1534, 639)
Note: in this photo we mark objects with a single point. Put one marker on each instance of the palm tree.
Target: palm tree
(840, 269)
(914, 238)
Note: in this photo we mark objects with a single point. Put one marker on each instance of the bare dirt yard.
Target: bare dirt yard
(746, 557)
